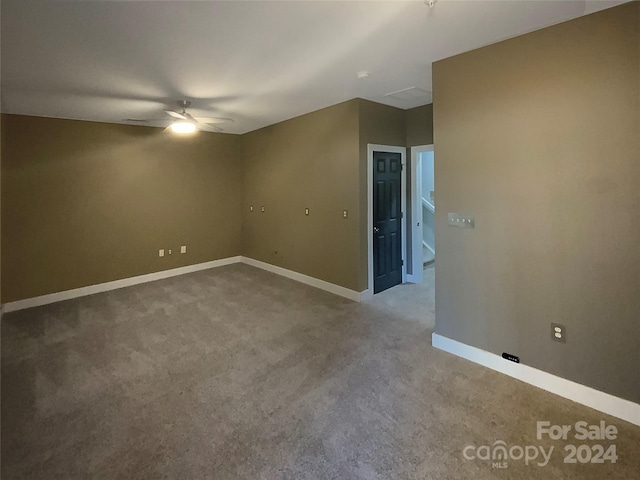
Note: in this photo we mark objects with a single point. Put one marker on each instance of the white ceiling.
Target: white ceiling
(258, 62)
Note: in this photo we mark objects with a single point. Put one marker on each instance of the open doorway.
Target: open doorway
(412, 298)
(422, 211)
(408, 300)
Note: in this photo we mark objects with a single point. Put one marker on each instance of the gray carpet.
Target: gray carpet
(235, 373)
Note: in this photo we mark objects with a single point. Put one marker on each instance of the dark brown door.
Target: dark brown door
(387, 220)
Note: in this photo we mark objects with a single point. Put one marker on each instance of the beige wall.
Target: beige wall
(1, 128)
(85, 202)
(419, 122)
(307, 162)
(317, 161)
(538, 136)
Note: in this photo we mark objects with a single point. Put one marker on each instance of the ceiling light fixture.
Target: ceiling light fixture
(431, 3)
(362, 75)
(183, 127)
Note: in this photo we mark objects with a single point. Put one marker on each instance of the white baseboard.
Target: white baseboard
(601, 401)
(105, 287)
(366, 295)
(312, 281)
(150, 277)
(412, 278)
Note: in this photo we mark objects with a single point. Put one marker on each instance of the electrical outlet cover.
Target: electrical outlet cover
(558, 332)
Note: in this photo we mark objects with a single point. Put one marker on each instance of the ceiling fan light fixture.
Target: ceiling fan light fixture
(183, 127)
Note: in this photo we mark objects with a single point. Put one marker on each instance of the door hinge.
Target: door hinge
(401, 214)
(402, 263)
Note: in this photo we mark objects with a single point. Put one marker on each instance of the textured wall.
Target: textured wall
(538, 136)
(85, 203)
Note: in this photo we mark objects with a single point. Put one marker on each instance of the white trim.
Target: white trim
(416, 211)
(371, 147)
(430, 206)
(306, 279)
(426, 245)
(366, 295)
(107, 286)
(413, 278)
(403, 209)
(601, 401)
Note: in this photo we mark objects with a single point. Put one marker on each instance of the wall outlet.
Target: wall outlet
(511, 357)
(251, 208)
(306, 211)
(558, 333)
(345, 213)
(161, 252)
(169, 251)
(183, 249)
(262, 209)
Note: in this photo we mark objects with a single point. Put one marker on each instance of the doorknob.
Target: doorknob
(376, 229)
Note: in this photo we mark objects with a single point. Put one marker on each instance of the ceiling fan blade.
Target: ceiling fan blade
(147, 122)
(209, 128)
(202, 125)
(206, 124)
(188, 116)
(176, 115)
(213, 120)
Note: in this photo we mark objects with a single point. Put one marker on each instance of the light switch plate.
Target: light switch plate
(462, 220)
(183, 249)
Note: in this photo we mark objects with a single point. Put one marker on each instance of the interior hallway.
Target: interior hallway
(409, 301)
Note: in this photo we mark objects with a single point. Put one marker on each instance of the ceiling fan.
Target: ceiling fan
(187, 123)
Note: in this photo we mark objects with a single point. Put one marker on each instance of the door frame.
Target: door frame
(372, 147)
(416, 213)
